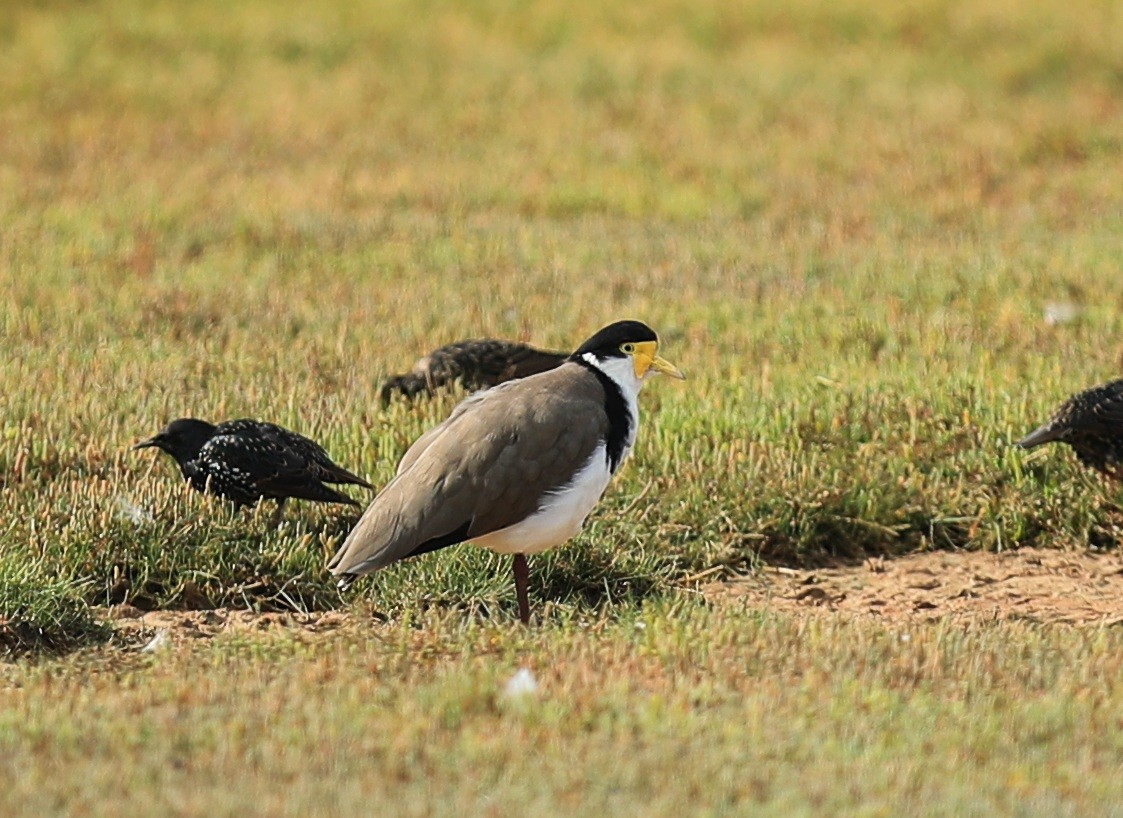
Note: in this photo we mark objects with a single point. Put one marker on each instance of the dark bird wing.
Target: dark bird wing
(521, 361)
(275, 462)
(318, 461)
(484, 469)
(474, 364)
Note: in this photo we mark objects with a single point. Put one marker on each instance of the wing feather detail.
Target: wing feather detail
(486, 467)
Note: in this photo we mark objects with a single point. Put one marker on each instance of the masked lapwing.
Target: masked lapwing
(477, 363)
(1091, 422)
(517, 468)
(245, 461)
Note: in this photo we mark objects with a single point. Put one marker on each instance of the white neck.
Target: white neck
(622, 372)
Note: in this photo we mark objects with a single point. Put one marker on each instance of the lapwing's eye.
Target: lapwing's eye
(627, 349)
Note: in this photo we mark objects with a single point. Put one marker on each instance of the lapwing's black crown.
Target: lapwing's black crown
(607, 342)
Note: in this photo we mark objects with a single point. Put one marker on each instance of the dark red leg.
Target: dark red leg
(522, 574)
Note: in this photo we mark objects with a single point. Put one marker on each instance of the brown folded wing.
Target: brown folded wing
(485, 468)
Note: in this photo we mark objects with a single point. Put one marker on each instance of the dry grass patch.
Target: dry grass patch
(680, 708)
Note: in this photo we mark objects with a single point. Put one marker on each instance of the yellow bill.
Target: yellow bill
(645, 359)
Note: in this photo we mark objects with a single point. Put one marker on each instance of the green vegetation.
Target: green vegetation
(845, 229)
(39, 610)
(845, 219)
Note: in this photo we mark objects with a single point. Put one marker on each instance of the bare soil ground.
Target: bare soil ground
(153, 629)
(1042, 585)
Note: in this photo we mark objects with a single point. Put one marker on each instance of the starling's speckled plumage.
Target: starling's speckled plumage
(1091, 422)
(474, 364)
(247, 460)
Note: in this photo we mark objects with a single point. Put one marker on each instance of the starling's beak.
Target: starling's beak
(146, 444)
(645, 359)
(1042, 434)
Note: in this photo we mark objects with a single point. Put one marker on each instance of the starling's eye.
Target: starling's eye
(627, 349)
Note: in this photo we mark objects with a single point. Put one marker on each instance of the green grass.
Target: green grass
(40, 611)
(845, 220)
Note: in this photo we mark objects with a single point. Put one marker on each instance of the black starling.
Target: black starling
(247, 460)
(474, 364)
(1091, 422)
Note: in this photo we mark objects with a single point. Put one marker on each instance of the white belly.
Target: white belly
(560, 516)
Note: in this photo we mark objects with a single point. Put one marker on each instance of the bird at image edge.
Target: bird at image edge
(517, 468)
(1091, 422)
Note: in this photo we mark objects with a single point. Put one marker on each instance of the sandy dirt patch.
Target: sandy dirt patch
(1040, 585)
(1043, 585)
(134, 626)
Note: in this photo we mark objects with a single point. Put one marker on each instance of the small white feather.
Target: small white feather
(157, 642)
(131, 512)
(521, 684)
